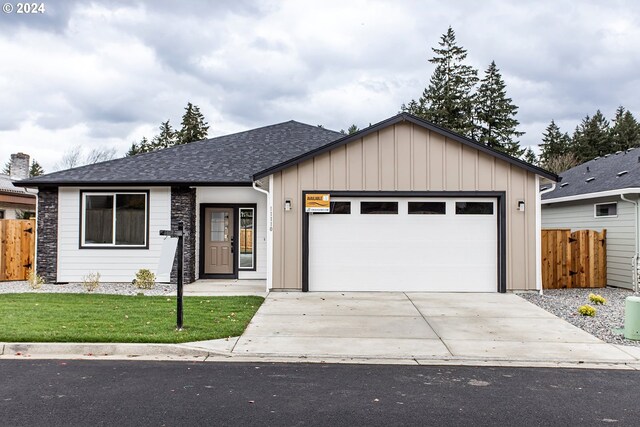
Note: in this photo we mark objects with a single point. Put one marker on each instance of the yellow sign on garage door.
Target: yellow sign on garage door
(317, 203)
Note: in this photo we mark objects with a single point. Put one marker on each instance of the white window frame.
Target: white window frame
(83, 243)
(595, 210)
(253, 237)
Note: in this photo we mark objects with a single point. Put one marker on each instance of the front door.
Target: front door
(218, 241)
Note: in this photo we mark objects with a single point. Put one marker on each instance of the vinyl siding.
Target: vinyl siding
(114, 265)
(238, 195)
(404, 157)
(620, 232)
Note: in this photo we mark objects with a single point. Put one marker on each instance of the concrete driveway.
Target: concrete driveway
(417, 325)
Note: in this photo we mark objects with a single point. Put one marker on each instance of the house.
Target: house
(411, 207)
(16, 202)
(602, 194)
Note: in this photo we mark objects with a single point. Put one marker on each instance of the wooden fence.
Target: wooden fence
(17, 248)
(574, 260)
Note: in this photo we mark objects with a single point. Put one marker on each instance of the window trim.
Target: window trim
(595, 210)
(253, 237)
(81, 234)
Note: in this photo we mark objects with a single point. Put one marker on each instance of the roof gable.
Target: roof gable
(405, 117)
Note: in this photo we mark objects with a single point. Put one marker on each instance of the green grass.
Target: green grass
(42, 317)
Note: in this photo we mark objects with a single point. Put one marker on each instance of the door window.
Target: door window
(219, 227)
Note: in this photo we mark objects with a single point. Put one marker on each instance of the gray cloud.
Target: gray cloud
(107, 72)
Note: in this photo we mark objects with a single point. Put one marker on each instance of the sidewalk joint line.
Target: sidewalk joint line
(429, 324)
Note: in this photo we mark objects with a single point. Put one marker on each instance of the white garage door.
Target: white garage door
(404, 244)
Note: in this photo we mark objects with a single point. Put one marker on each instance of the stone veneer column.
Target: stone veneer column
(183, 208)
(47, 239)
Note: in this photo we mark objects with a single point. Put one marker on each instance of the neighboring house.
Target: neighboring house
(16, 202)
(601, 194)
(413, 207)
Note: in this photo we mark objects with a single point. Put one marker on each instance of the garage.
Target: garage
(409, 244)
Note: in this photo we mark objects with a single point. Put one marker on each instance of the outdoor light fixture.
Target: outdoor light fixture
(521, 205)
(287, 205)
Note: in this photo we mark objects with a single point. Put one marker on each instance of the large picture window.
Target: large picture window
(115, 219)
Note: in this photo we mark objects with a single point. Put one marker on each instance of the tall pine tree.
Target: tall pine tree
(495, 114)
(35, 169)
(529, 156)
(166, 138)
(592, 138)
(448, 101)
(625, 132)
(554, 143)
(194, 127)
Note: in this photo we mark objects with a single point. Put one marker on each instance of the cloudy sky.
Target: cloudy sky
(106, 73)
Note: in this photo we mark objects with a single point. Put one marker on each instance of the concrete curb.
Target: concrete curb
(99, 351)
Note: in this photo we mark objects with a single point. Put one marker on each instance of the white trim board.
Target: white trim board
(597, 195)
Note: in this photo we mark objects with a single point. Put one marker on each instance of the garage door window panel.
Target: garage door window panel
(427, 208)
(340, 208)
(379, 208)
(474, 208)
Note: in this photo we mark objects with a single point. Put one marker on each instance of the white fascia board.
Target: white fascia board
(592, 195)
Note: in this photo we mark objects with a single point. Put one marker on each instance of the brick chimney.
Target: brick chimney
(19, 168)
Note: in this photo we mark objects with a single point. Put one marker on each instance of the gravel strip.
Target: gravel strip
(564, 303)
(77, 288)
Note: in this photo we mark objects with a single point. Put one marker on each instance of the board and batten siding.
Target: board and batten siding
(404, 157)
(238, 195)
(580, 215)
(114, 265)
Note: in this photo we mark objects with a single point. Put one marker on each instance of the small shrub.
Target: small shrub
(145, 279)
(35, 282)
(587, 310)
(91, 282)
(597, 299)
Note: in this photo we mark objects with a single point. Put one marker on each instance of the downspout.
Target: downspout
(636, 256)
(539, 231)
(269, 195)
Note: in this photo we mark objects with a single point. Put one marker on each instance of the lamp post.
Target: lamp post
(180, 249)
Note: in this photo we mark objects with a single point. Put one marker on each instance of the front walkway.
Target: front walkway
(230, 287)
(418, 326)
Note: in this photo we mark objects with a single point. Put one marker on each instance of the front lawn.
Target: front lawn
(41, 317)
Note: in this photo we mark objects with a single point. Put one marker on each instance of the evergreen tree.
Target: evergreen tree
(144, 146)
(625, 132)
(7, 168)
(530, 157)
(592, 138)
(352, 129)
(166, 138)
(554, 143)
(448, 101)
(495, 114)
(35, 169)
(194, 127)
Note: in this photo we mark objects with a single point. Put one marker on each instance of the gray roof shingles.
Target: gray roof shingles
(230, 159)
(605, 170)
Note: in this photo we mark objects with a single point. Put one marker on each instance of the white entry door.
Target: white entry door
(405, 244)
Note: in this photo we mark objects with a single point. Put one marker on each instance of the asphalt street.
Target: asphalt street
(123, 393)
